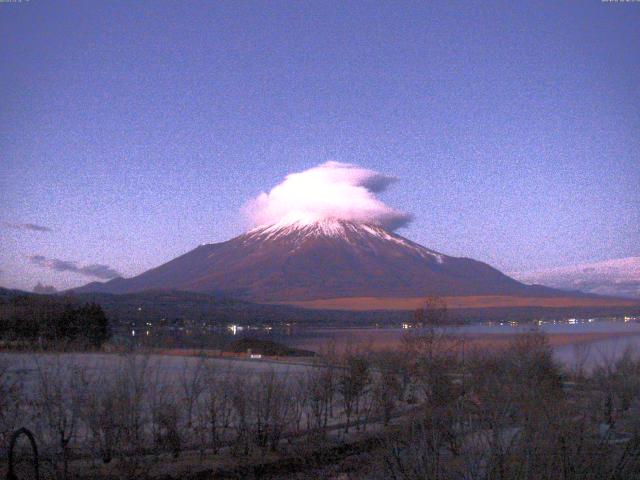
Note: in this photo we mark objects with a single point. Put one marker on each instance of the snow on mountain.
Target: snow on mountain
(618, 277)
(350, 232)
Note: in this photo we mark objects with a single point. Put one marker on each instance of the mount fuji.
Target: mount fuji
(330, 258)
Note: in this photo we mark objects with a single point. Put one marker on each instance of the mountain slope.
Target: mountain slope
(322, 259)
(620, 277)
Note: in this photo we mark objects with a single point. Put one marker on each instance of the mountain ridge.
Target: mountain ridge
(616, 277)
(308, 260)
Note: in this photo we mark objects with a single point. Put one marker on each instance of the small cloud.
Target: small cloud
(96, 270)
(99, 271)
(44, 289)
(28, 226)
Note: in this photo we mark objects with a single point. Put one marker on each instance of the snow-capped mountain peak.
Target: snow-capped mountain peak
(324, 227)
(357, 234)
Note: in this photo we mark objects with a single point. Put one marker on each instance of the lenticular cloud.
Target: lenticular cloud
(332, 190)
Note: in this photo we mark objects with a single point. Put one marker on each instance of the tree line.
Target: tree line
(47, 321)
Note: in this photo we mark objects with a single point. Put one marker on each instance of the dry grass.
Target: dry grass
(478, 301)
(384, 340)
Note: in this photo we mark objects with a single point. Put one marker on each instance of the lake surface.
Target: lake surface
(591, 341)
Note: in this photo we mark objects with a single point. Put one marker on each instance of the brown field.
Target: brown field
(485, 301)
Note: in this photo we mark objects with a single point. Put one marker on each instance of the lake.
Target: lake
(590, 340)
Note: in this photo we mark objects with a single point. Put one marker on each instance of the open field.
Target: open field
(170, 368)
(462, 302)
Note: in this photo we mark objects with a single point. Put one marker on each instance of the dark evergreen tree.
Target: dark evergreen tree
(96, 324)
(33, 318)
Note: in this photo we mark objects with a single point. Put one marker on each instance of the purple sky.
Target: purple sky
(131, 132)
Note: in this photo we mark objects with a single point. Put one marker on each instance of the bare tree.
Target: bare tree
(168, 435)
(433, 312)
(618, 383)
(581, 353)
(61, 392)
(320, 384)
(271, 407)
(218, 405)
(192, 385)
(131, 384)
(353, 381)
(11, 398)
(241, 400)
(98, 415)
(387, 387)
(299, 402)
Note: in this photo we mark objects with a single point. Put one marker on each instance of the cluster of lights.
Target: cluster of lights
(235, 328)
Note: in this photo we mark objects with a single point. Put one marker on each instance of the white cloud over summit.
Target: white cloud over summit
(332, 190)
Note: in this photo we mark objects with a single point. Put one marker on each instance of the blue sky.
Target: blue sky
(135, 131)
